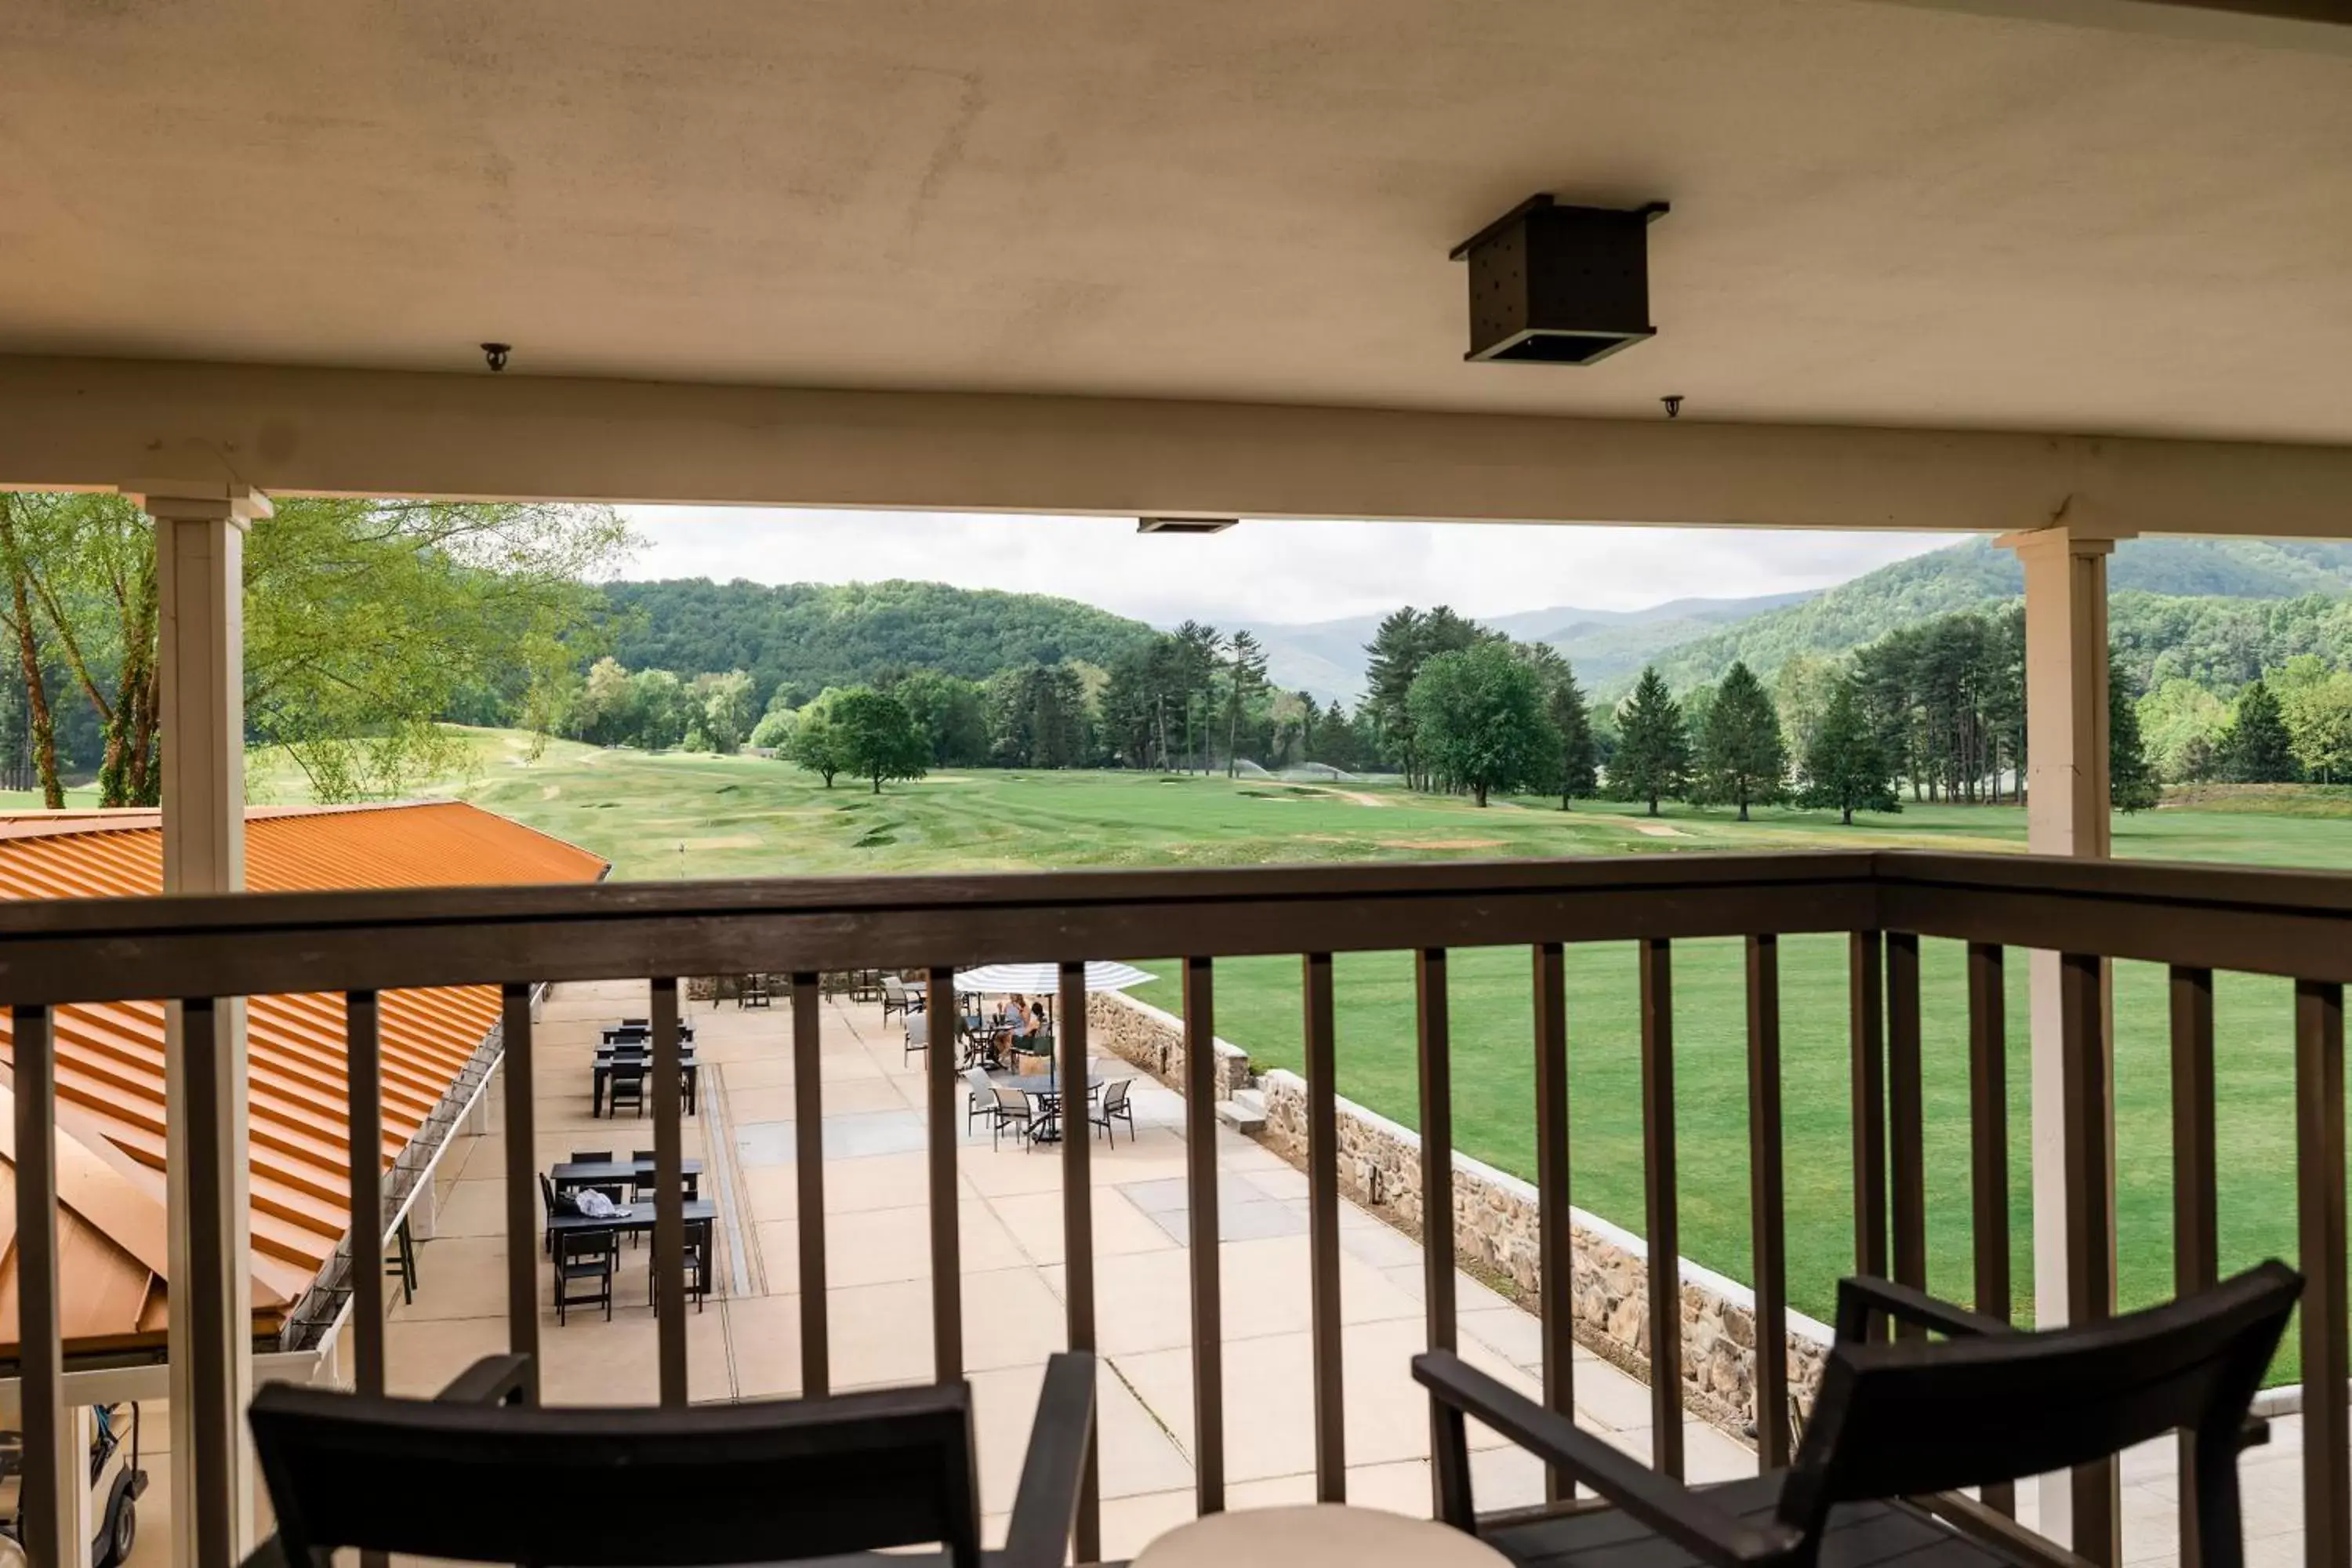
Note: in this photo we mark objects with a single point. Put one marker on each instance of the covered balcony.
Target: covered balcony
(2057, 274)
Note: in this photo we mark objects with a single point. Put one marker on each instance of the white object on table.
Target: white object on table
(1313, 1536)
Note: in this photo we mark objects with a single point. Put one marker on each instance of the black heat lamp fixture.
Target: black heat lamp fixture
(1560, 284)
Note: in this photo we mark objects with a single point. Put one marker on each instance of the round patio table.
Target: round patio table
(1047, 1089)
(1323, 1535)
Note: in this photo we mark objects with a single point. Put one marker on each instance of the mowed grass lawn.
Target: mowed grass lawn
(670, 815)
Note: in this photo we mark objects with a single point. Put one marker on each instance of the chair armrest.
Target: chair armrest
(1688, 1519)
(1046, 1508)
(270, 1554)
(493, 1380)
(1860, 1294)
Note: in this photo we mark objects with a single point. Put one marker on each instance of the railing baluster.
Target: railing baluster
(216, 1244)
(1988, 1151)
(1866, 1021)
(1767, 1201)
(1201, 1201)
(2319, 1207)
(1907, 1116)
(1323, 1230)
(1077, 1221)
(364, 1062)
(947, 1246)
(2090, 1220)
(1436, 1041)
(2196, 1234)
(1555, 1235)
(808, 1157)
(669, 1261)
(1666, 1284)
(523, 1230)
(45, 1497)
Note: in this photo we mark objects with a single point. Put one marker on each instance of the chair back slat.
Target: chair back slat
(770, 1482)
(1913, 1416)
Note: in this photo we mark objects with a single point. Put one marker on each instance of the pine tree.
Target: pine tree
(1848, 769)
(1741, 756)
(1245, 675)
(2256, 747)
(2131, 782)
(1653, 756)
(1564, 704)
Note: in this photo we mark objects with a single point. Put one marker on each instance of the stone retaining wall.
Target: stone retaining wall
(1494, 1229)
(1495, 1225)
(1154, 1040)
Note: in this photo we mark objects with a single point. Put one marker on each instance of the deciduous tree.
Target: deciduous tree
(1480, 718)
(876, 737)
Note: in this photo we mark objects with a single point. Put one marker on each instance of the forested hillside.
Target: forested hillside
(811, 636)
(2206, 593)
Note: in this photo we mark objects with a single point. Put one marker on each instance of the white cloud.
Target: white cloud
(1261, 571)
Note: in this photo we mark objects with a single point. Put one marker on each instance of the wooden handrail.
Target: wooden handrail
(2289, 924)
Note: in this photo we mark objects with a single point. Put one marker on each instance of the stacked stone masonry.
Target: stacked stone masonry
(1494, 1226)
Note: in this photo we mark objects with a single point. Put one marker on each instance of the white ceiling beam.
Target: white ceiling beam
(98, 423)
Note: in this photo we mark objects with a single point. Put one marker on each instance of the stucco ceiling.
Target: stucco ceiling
(1882, 213)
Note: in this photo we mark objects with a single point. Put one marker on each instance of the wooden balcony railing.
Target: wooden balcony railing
(2195, 920)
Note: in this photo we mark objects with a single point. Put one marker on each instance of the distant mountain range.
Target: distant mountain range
(1326, 657)
(809, 636)
(1977, 573)
(1694, 641)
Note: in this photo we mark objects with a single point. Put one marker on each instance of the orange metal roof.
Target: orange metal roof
(110, 1056)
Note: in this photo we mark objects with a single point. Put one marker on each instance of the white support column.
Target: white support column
(200, 669)
(2067, 813)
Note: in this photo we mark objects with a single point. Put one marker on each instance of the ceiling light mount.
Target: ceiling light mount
(495, 355)
(1674, 401)
(1552, 284)
(1184, 525)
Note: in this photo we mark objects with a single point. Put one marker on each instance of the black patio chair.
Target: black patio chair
(554, 1207)
(589, 1257)
(767, 1481)
(1902, 1419)
(689, 1181)
(627, 1083)
(754, 992)
(696, 1263)
(1115, 1107)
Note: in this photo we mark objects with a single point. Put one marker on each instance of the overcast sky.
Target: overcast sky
(1265, 573)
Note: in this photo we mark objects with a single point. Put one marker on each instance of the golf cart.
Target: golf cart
(116, 1483)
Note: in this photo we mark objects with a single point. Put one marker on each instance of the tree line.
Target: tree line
(1938, 707)
(367, 623)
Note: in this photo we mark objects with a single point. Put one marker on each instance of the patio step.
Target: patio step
(1244, 1113)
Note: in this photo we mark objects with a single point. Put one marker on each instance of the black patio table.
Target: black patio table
(572, 1175)
(642, 1038)
(640, 1217)
(1046, 1089)
(607, 1061)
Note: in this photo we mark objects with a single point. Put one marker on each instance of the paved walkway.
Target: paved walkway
(746, 1344)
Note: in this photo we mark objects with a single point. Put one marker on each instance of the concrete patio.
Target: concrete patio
(746, 1343)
